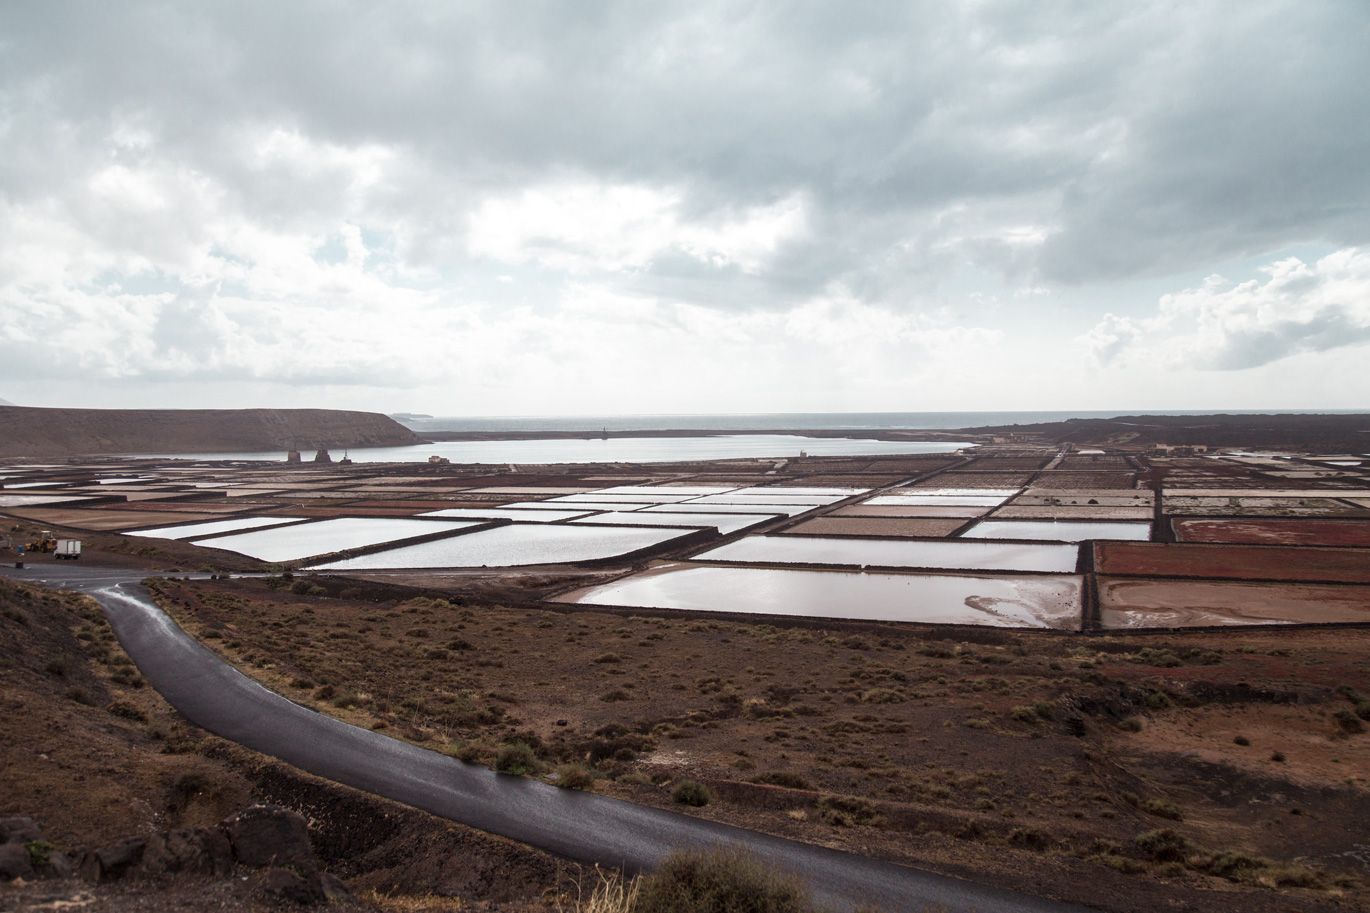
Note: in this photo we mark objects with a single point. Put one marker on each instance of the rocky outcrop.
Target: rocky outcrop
(261, 837)
(35, 432)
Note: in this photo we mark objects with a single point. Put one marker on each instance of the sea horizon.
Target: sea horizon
(790, 421)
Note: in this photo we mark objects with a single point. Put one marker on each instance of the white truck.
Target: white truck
(68, 549)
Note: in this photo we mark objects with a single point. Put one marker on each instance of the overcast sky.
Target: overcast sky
(526, 208)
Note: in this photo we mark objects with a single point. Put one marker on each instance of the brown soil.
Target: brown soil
(958, 742)
(31, 432)
(876, 526)
(93, 755)
(1252, 562)
(1275, 532)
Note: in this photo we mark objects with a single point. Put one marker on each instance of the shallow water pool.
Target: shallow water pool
(724, 523)
(290, 543)
(212, 527)
(953, 554)
(509, 546)
(1063, 531)
(1029, 602)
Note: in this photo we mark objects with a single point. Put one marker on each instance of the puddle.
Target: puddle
(1057, 532)
(509, 546)
(724, 523)
(954, 554)
(1030, 602)
(294, 542)
(211, 528)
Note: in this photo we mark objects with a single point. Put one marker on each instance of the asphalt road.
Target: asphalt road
(581, 826)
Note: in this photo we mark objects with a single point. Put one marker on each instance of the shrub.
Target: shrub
(1029, 838)
(692, 793)
(1241, 740)
(1348, 722)
(1277, 757)
(1162, 808)
(1131, 724)
(61, 665)
(1023, 714)
(40, 853)
(574, 776)
(615, 696)
(1162, 845)
(78, 694)
(846, 811)
(517, 758)
(127, 711)
(608, 658)
(1157, 701)
(783, 778)
(721, 880)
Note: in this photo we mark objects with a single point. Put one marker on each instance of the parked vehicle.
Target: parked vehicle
(69, 549)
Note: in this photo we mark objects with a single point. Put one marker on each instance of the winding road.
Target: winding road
(581, 826)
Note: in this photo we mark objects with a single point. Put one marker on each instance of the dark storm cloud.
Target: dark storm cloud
(1140, 141)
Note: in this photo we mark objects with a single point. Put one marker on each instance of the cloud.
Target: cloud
(295, 193)
(1225, 326)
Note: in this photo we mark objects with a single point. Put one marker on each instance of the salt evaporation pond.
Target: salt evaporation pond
(1029, 602)
(614, 450)
(1057, 532)
(211, 528)
(291, 543)
(936, 501)
(690, 507)
(724, 523)
(765, 497)
(36, 500)
(496, 513)
(1001, 493)
(609, 497)
(692, 490)
(508, 546)
(954, 554)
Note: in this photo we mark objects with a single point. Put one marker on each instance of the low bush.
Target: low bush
(847, 811)
(517, 758)
(125, 710)
(692, 793)
(1162, 845)
(574, 776)
(1130, 724)
(722, 880)
(1162, 808)
(783, 778)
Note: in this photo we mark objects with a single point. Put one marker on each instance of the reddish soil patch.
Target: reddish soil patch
(877, 526)
(1141, 603)
(1245, 562)
(910, 510)
(1276, 532)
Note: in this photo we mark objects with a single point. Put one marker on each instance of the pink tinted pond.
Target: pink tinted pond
(1006, 601)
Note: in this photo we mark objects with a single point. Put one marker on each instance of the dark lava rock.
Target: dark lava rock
(270, 835)
(15, 862)
(19, 830)
(284, 884)
(204, 851)
(110, 863)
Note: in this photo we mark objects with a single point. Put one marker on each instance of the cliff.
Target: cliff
(35, 432)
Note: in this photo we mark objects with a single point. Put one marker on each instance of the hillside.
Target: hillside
(1329, 433)
(35, 432)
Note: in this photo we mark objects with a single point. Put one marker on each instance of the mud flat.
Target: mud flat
(1275, 532)
(1137, 603)
(906, 527)
(1248, 562)
(1017, 602)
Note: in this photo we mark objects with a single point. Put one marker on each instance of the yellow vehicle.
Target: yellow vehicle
(45, 544)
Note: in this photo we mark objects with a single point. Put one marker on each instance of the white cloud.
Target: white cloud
(585, 227)
(1221, 325)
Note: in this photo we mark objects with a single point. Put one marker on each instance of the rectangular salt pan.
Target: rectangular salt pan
(510, 546)
(212, 527)
(691, 507)
(724, 523)
(765, 497)
(955, 554)
(936, 501)
(1001, 601)
(290, 543)
(1000, 493)
(496, 513)
(1057, 532)
(660, 496)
